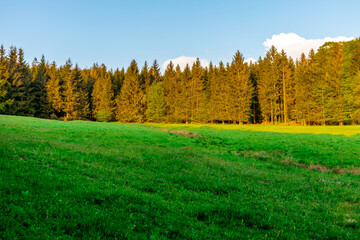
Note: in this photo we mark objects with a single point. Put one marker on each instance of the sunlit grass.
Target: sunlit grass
(89, 180)
(348, 130)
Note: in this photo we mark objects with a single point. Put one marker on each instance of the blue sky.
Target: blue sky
(115, 32)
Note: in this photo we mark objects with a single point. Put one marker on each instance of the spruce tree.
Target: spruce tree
(322, 87)
(285, 76)
(130, 100)
(21, 89)
(40, 77)
(156, 106)
(118, 80)
(178, 98)
(183, 103)
(267, 88)
(144, 78)
(196, 91)
(54, 92)
(154, 73)
(170, 88)
(219, 98)
(71, 96)
(356, 113)
(302, 91)
(75, 101)
(103, 96)
(336, 96)
(255, 107)
(5, 101)
(240, 90)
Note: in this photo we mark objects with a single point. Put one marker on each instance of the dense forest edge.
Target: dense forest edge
(322, 88)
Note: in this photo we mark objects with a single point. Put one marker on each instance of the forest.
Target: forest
(320, 88)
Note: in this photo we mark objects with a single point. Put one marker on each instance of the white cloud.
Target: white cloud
(250, 60)
(182, 61)
(294, 45)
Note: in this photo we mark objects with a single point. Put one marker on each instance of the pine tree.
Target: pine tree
(54, 92)
(75, 101)
(356, 91)
(240, 90)
(156, 102)
(145, 83)
(353, 95)
(302, 91)
(178, 98)
(144, 78)
(255, 107)
(103, 96)
(183, 103)
(20, 87)
(196, 91)
(39, 79)
(285, 77)
(4, 76)
(118, 80)
(154, 73)
(71, 96)
(268, 86)
(217, 111)
(130, 100)
(170, 88)
(81, 88)
(336, 97)
(204, 113)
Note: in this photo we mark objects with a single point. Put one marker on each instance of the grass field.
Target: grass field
(89, 180)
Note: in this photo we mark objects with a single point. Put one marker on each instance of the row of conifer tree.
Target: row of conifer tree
(320, 88)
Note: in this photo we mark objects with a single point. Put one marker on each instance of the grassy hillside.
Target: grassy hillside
(91, 180)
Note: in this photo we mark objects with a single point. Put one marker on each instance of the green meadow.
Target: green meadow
(90, 180)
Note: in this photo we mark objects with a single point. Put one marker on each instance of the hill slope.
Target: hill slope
(109, 180)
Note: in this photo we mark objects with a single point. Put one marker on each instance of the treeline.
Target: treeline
(321, 88)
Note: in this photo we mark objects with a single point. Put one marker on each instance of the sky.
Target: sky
(115, 32)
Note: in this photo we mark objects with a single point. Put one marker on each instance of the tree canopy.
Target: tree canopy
(321, 87)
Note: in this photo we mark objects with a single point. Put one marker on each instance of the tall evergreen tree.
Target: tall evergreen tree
(183, 103)
(322, 87)
(241, 90)
(285, 72)
(130, 100)
(336, 101)
(40, 77)
(54, 92)
(356, 114)
(178, 95)
(154, 73)
(170, 88)
(217, 111)
(118, 80)
(103, 95)
(156, 102)
(144, 78)
(302, 91)
(255, 106)
(21, 89)
(268, 86)
(196, 91)
(4, 76)
(75, 103)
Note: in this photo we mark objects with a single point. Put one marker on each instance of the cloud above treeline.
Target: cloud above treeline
(183, 60)
(294, 44)
(250, 60)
